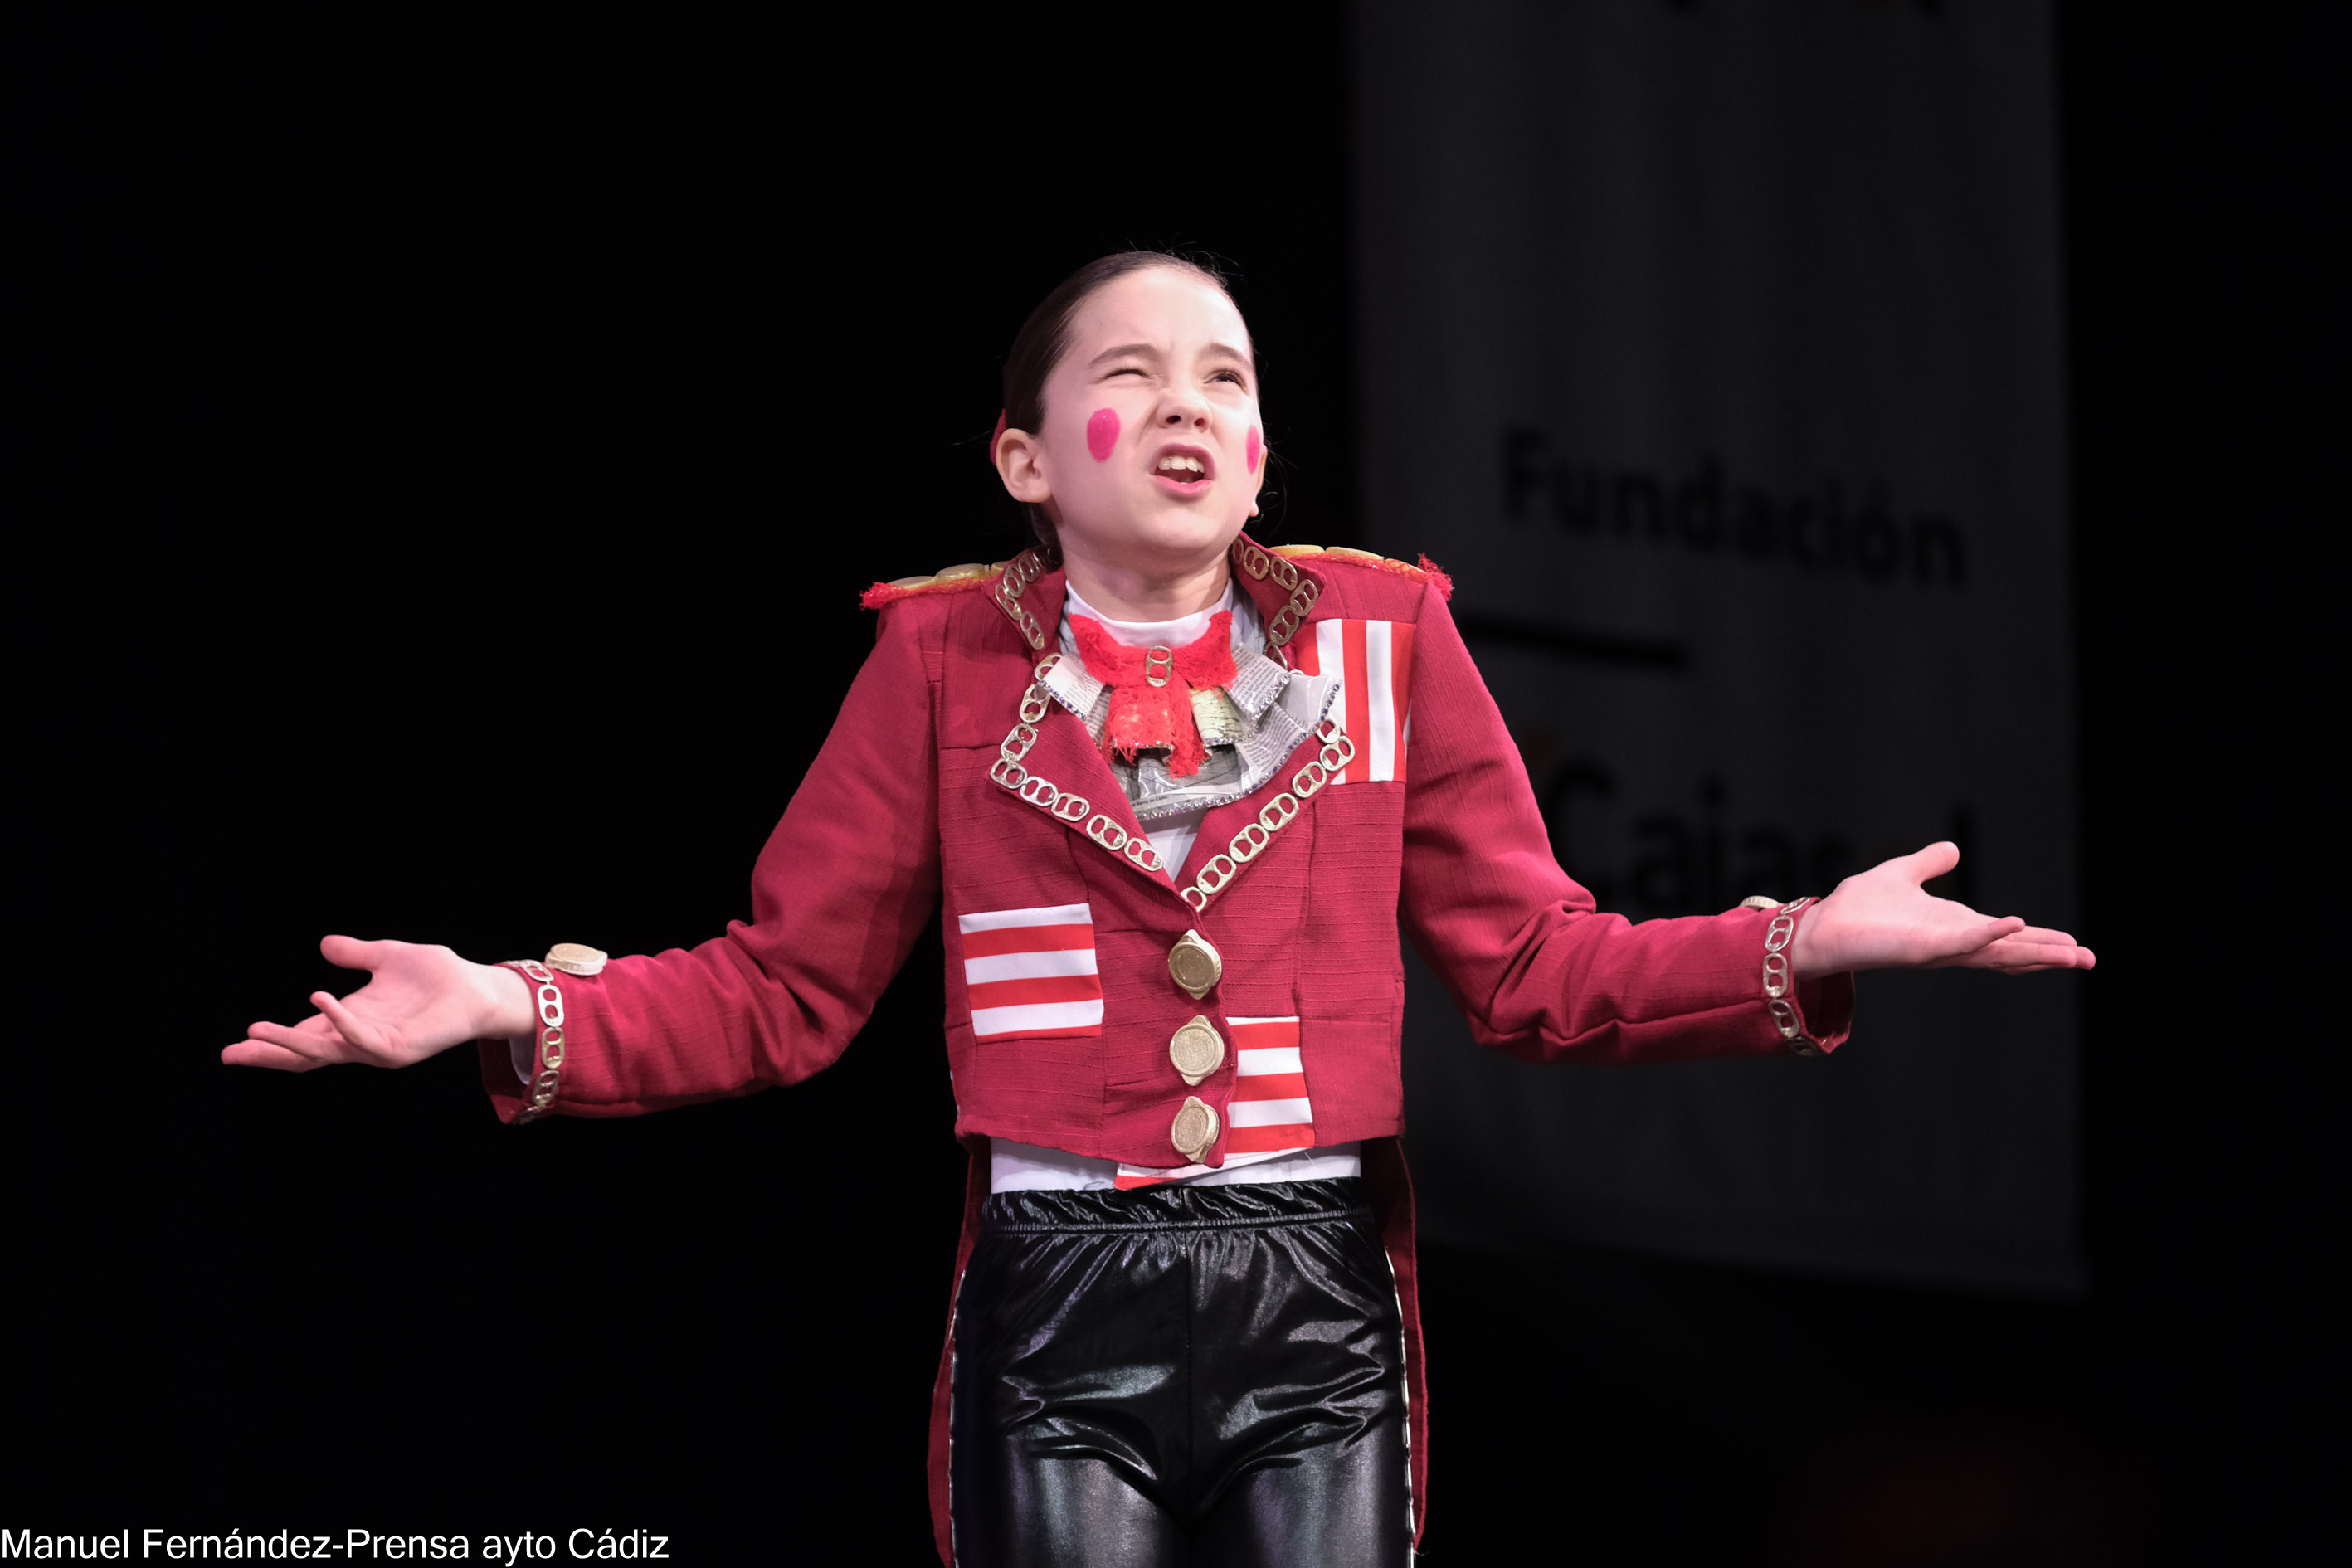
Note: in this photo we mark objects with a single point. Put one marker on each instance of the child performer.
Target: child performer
(1171, 793)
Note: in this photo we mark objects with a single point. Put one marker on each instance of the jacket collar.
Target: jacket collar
(1028, 583)
(1030, 595)
(1284, 591)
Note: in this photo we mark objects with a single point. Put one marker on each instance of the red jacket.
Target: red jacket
(952, 781)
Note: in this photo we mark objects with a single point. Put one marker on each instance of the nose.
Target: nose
(1183, 407)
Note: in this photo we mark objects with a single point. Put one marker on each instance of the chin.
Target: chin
(1181, 532)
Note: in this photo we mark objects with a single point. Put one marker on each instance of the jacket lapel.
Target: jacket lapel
(1220, 827)
(1049, 761)
(1284, 593)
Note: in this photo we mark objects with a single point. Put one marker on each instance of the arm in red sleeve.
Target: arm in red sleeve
(846, 884)
(1537, 971)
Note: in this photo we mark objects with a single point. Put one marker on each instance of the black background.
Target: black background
(442, 456)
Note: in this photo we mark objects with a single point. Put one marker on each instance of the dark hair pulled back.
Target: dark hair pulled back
(1044, 338)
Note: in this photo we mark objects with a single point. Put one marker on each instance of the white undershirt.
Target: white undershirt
(1025, 1167)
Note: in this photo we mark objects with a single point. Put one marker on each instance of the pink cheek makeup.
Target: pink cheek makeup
(1254, 447)
(1102, 434)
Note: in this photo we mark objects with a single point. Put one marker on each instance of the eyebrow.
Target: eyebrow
(1149, 352)
(1121, 351)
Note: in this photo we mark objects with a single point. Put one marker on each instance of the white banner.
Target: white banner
(1715, 348)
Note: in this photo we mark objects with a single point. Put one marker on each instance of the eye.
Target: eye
(1233, 375)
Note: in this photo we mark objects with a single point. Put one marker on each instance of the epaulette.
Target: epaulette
(946, 580)
(1427, 571)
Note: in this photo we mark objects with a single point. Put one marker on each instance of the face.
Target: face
(1152, 452)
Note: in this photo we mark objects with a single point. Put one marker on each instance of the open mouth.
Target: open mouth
(1185, 469)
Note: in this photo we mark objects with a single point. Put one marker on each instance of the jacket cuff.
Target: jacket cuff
(548, 1045)
(542, 1073)
(508, 1095)
(1824, 1015)
(1813, 1017)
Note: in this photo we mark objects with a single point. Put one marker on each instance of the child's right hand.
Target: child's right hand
(418, 1001)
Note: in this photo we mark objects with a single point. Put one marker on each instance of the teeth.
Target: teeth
(1190, 464)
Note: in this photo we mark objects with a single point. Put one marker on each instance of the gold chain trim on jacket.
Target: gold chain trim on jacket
(1019, 572)
(1049, 797)
(1779, 981)
(1273, 817)
(547, 1060)
(1304, 590)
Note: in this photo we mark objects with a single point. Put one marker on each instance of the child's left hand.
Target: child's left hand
(1884, 919)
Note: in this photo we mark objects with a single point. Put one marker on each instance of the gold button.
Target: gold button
(1196, 1129)
(575, 958)
(1194, 965)
(1197, 1050)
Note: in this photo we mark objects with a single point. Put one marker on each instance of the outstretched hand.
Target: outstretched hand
(418, 1001)
(1884, 919)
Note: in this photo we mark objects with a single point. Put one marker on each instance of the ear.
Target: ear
(1021, 463)
(1264, 456)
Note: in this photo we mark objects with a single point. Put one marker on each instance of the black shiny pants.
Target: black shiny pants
(1179, 1377)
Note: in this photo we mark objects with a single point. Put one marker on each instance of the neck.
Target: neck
(1141, 592)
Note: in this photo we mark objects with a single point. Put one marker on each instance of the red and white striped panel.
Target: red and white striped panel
(1031, 971)
(1373, 660)
(1268, 1114)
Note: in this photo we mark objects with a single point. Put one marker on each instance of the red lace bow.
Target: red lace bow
(1151, 689)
